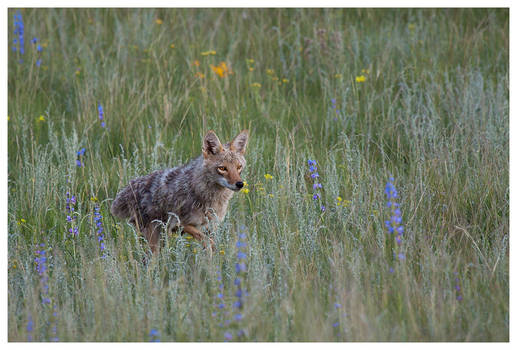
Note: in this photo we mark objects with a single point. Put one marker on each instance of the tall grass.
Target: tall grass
(432, 112)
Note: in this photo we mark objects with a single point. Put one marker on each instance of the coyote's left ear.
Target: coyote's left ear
(239, 142)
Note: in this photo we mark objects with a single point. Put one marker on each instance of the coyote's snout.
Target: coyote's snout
(188, 196)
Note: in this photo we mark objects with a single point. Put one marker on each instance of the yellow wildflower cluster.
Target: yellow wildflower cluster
(362, 78)
(249, 63)
(245, 188)
(158, 21)
(221, 70)
(268, 176)
(41, 118)
(207, 53)
(344, 203)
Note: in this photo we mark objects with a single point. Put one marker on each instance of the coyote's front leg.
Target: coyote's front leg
(199, 236)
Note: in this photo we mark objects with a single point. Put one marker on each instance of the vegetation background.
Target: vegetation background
(420, 95)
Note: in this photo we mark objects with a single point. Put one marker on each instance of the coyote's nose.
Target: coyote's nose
(239, 184)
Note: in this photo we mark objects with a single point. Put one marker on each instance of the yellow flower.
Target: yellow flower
(251, 69)
(189, 237)
(360, 79)
(268, 176)
(187, 245)
(206, 53)
(339, 199)
(158, 21)
(194, 251)
(221, 70)
(245, 188)
(41, 118)
(270, 72)
(365, 71)
(199, 75)
(346, 203)
(172, 46)
(23, 220)
(94, 199)
(271, 195)
(250, 60)
(221, 252)
(8, 118)
(285, 81)
(257, 85)
(196, 63)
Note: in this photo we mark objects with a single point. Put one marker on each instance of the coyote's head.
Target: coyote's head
(224, 163)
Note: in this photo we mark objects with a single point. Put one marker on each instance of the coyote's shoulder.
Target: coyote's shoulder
(190, 195)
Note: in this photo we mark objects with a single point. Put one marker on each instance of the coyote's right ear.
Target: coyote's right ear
(211, 144)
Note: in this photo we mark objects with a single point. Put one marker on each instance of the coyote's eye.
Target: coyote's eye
(239, 168)
(221, 168)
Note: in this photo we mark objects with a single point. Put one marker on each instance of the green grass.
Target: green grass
(433, 113)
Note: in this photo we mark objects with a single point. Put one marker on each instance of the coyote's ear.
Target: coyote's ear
(239, 142)
(211, 144)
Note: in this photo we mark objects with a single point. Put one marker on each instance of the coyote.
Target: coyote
(187, 197)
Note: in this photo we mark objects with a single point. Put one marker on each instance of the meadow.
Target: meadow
(376, 205)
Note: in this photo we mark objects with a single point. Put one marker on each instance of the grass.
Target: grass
(432, 111)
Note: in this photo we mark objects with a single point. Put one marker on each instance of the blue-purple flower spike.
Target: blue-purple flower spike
(394, 224)
(316, 184)
(101, 115)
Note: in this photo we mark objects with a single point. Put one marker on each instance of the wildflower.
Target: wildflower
(54, 325)
(270, 71)
(172, 46)
(30, 328)
(245, 188)
(158, 21)
(228, 336)
(268, 176)
(41, 268)
(101, 115)
(196, 63)
(207, 53)
(256, 85)
(394, 223)
(457, 287)
(316, 185)
(199, 75)
(100, 230)
(240, 270)
(19, 43)
(360, 79)
(154, 336)
(285, 81)
(70, 202)
(365, 71)
(221, 70)
(41, 118)
(334, 107)
(80, 153)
